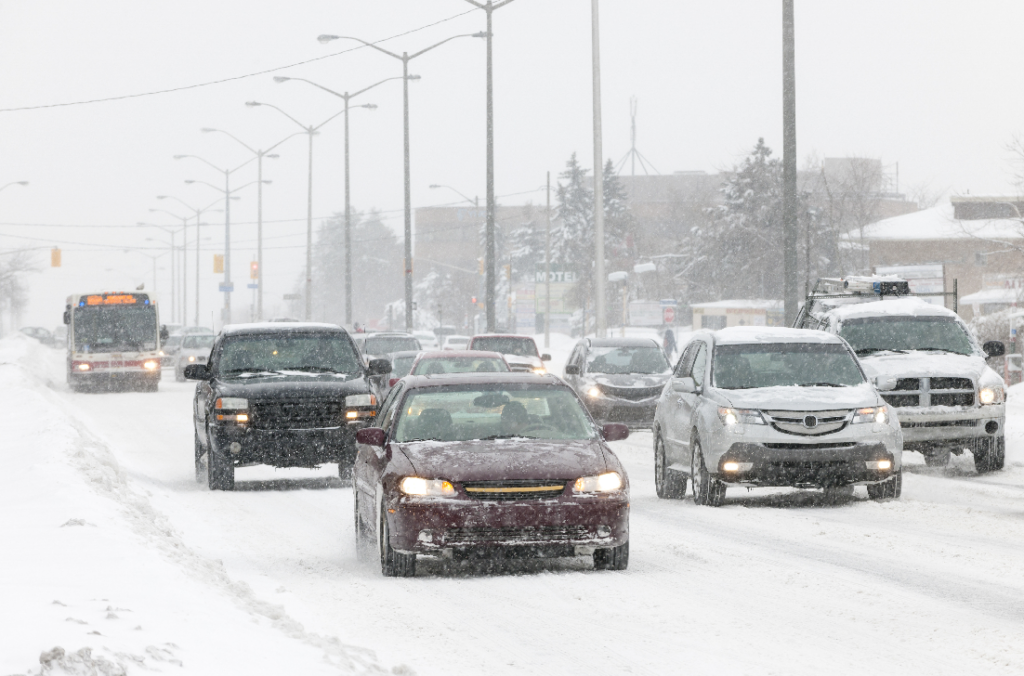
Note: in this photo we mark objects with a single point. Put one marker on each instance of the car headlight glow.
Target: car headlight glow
(540, 370)
(990, 395)
(873, 414)
(231, 403)
(191, 357)
(84, 367)
(426, 488)
(594, 391)
(882, 465)
(360, 400)
(735, 416)
(151, 365)
(733, 466)
(609, 482)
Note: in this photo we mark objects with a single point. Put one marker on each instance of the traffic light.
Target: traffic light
(218, 263)
(55, 257)
(473, 300)
(254, 270)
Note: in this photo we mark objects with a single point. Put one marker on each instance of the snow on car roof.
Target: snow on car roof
(280, 327)
(916, 307)
(738, 335)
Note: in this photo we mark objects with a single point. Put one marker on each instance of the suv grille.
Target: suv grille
(941, 391)
(809, 423)
(296, 415)
(632, 393)
(514, 490)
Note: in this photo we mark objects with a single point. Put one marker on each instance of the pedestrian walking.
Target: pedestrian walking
(670, 344)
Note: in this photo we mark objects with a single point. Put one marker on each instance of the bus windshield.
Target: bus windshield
(115, 328)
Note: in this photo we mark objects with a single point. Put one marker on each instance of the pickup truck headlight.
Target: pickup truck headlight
(360, 400)
(609, 482)
(426, 488)
(231, 403)
(874, 414)
(990, 395)
(735, 416)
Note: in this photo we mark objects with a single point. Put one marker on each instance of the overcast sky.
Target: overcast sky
(928, 84)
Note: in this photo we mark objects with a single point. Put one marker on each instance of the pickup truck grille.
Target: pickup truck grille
(296, 415)
(940, 391)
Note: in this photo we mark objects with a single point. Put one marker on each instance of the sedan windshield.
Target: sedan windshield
(501, 411)
(899, 334)
(612, 360)
(279, 351)
(389, 344)
(740, 367)
(400, 366)
(198, 342)
(439, 365)
(520, 347)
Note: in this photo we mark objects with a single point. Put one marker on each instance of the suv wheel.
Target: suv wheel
(612, 558)
(989, 454)
(667, 484)
(220, 471)
(392, 563)
(706, 490)
(937, 459)
(890, 489)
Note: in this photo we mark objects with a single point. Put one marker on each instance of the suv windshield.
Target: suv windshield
(280, 351)
(115, 328)
(501, 411)
(878, 334)
(438, 365)
(389, 344)
(612, 360)
(520, 347)
(739, 367)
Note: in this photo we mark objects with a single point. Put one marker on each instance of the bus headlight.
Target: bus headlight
(84, 367)
(151, 365)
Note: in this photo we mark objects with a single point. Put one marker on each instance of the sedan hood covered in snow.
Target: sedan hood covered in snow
(793, 398)
(505, 459)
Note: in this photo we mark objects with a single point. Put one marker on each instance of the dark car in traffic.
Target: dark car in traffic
(481, 465)
(281, 394)
(620, 379)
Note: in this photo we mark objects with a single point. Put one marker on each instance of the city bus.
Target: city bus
(113, 341)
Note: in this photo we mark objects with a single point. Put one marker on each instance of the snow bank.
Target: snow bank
(95, 581)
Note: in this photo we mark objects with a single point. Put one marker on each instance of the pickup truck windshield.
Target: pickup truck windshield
(899, 334)
(520, 347)
(739, 367)
(280, 351)
(115, 328)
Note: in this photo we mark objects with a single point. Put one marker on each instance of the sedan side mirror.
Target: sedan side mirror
(197, 372)
(684, 385)
(614, 432)
(378, 367)
(392, 381)
(545, 357)
(994, 348)
(885, 383)
(371, 436)
(572, 370)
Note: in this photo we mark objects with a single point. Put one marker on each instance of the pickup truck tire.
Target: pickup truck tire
(668, 485)
(989, 454)
(887, 490)
(220, 471)
(706, 490)
(200, 469)
(939, 459)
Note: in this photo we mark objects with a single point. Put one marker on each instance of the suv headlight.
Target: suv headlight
(426, 488)
(874, 414)
(360, 400)
(609, 482)
(734, 416)
(990, 395)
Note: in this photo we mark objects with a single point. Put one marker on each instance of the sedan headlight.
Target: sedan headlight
(539, 370)
(426, 488)
(874, 414)
(231, 403)
(990, 395)
(360, 400)
(737, 416)
(609, 482)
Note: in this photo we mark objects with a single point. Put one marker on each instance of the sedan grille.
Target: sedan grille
(941, 391)
(296, 415)
(514, 490)
(809, 423)
(465, 536)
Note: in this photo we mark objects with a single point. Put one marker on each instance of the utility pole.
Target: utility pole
(547, 271)
(790, 211)
(599, 280)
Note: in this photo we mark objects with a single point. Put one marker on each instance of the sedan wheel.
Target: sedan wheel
(668, 484)
(706, 490)
(392, 563)
(612, 558)
(363, 549)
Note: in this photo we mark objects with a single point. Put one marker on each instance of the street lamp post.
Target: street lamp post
(599, 301)
(173, 233)
(260, 154)
(405, 58)
(227, 227)
(184, 244)
(310, 131)
(490, 253)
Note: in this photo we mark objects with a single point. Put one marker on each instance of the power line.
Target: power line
(229, 79)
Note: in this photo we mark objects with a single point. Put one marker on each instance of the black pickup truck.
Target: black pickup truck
(285, 395)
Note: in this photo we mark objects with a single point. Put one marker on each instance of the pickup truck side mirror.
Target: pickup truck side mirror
(378, 367)
(572, 370)
(545, 357)
(684, 385)
(371, 436)
(197, 372)
(994, 348)
(885, 383)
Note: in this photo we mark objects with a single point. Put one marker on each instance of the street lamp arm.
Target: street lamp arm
(271, 105)
(14, 183)
(231, 171)
(365, 89)
(207, 207)
(234, 190)
(220, 190)
(326, 38)
(454, 37)
(318, 86)
(240, 141)
(180, 201)
(340, 112)
(196, 157)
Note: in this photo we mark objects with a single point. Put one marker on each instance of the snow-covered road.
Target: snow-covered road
(774, 582)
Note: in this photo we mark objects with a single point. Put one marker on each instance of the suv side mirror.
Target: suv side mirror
(614, 431)
(197, 372)
(545, 357)
(885, 383)
(371, 436)
(572, 370)
(684, 385)
(994, 348)
(378, 367)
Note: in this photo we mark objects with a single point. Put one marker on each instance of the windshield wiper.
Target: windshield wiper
(249, 372)
(313, 369)
(936, 349)
(820, 385)
(502, 436)
(872, 350)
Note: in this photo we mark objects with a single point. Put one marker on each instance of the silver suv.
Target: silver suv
(757, 406)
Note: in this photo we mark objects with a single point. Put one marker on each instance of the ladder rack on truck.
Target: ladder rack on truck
(862, 289)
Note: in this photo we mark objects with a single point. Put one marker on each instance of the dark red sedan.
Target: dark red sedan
(471, 465)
